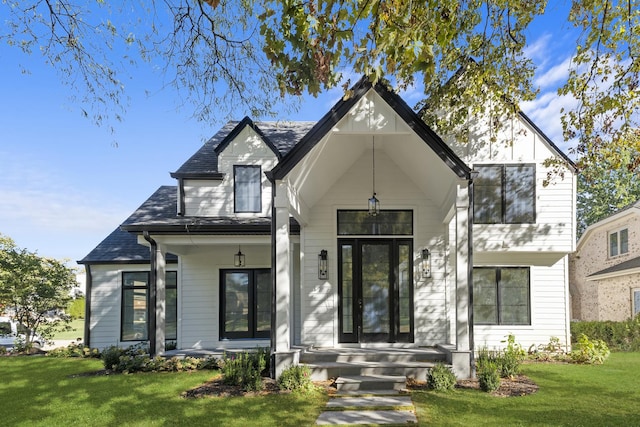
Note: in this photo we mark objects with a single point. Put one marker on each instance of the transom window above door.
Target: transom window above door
(386, 223)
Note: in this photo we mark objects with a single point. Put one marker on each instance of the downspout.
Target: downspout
(87, 305)
(470, 273)
(181, 202)
(273, 280)
(151, 330)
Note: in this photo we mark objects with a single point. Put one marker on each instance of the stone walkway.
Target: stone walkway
(385, 407)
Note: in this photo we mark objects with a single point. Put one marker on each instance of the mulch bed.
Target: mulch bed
(519, 385)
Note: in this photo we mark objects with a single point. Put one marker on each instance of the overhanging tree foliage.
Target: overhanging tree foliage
(230, 53)
(31, 286)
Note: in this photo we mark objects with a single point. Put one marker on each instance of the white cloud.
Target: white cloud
(539, 49)
(555, 75)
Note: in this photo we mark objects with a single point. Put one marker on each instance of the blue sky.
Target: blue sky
(65, 185)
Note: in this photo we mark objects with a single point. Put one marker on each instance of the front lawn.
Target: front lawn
(42, 391)
(569, 395)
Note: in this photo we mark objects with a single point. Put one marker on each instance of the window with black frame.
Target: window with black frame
(245, 296)
(504, 194)
(501, 296)
(135, 306)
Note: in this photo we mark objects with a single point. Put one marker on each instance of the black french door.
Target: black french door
(375, 290)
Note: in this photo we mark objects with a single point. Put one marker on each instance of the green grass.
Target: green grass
(77, 331)
(38, 391)
(569, 395)
(41, 391)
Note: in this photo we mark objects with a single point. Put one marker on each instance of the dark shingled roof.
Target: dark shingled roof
(284, 135)
(627, 265)
(121, 246)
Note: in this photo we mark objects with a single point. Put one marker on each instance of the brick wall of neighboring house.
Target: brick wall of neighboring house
(605, 299)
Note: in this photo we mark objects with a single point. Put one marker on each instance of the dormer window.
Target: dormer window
(247, 181)
(618, 242)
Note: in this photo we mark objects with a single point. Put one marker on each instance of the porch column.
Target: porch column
(157, 297)
(282, 356)
(463, 358)
(161, 301)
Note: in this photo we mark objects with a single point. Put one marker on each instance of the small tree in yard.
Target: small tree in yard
(31, 286)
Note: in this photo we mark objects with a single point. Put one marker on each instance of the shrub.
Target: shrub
(296, 378)
(619, 336)
(590, 351)
(441, 378)
(489, 377)
(111, 356)
(74, 350)
(244, 369)
(170, 345)
(511, 358)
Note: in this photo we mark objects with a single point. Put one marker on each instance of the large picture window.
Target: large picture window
(618, 242)
(504, 194)
(135, 306)
(247, 188)
(501, 296)
(246, 303)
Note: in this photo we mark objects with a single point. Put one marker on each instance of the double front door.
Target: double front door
(375, 290)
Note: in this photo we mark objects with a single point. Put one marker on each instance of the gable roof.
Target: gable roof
(628, 267)
(280, 137)
(630, 209)
(342, 107)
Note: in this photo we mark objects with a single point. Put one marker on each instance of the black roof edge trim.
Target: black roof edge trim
(339, 110)
(124, 262)
(548, 140)
(448, 156)
(200, 175)
(246, 121)
(206, 229)
(320, 129)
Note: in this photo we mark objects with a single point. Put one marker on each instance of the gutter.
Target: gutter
(273, 278)
(87, 305)
(151, 327)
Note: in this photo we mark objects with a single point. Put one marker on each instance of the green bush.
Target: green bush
(76, 307)
(244, 369)
(296, 378)
(619, 336)
(489, 377)
(111, 357)
(441, 378)
(74, 350)
(590, 351)
(511, 358)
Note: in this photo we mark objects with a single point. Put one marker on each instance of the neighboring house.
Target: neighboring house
(267, 240)
(605, 269)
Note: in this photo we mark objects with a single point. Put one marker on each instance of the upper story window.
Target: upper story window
(505, 194)
(247, 189)
(618, 242)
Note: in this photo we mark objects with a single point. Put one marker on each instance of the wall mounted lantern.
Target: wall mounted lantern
(322, 264)
(426, 263)
(239, 259)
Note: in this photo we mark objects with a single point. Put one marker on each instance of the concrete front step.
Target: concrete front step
(398, 402)
(324, 371)
(367, 417)
(370, 382)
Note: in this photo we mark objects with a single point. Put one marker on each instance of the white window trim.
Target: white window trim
(634, 310)
(617, 231)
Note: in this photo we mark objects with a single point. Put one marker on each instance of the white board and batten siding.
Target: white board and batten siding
(319, 298)
(214, 198)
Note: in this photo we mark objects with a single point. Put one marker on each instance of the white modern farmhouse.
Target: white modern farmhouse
(362, 231)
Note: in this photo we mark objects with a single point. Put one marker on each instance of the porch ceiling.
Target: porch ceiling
(337, 152)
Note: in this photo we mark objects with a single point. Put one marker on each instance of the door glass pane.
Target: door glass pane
(236, 310)
(263, 301)
(347, 289)
(404, 289)
(375, 288)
